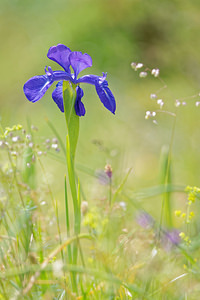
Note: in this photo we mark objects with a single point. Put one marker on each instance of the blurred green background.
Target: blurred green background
(162, 34)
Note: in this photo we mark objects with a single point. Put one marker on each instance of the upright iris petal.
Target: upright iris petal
(79, 62)
(60, 54)
(36, 87)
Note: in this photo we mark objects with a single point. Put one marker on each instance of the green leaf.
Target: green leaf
(72, 120)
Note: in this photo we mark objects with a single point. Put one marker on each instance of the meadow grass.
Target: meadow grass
(113, 248)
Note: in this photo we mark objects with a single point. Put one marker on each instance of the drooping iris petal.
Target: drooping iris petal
(79, 106)
(36, 87)
(106, 95)
(57, 95)
(60, 54)
(79, 61)
(91, 79)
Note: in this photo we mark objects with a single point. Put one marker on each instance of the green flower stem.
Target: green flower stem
(72, 122)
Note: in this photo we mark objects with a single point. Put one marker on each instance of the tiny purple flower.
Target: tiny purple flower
(145, 220)
(108, 170)
(170, 239)
(36, 87)
(102, 177)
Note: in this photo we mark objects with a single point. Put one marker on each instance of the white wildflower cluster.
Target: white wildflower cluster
(16, 141)
(182, 102)
(136, 66)
(160, 103)
(155, 72)
(179, 103)
(52, 144)
(150, 114)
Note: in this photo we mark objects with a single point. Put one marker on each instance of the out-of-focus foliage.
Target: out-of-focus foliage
(159, 34)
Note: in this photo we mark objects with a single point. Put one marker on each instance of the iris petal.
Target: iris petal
(79, 61)
(106, 96)
(57, 95)
(91, 79)
(36, 87)
(79, 106)
(60, 54)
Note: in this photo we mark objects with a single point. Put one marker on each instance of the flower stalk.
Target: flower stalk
(72, 122)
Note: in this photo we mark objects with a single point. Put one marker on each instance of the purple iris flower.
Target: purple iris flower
(36, 87)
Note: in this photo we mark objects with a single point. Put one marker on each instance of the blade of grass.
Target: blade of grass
(119, 189)
(57, 135)
(67, 222)
(165, 177)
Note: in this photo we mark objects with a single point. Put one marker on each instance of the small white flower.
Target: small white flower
(197, 103)
(153, 96)
(30, 144)
(133, 65)
(154, 252)
(42, 203)
(15, 139)
(177, 103)
(155, 72)
(143, 74)
(122, 204)
(147, 114)
(139, 65)
(28, 136)
(54, 146)
(153, 114)
(160, 102)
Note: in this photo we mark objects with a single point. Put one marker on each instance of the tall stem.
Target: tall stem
(72, 122)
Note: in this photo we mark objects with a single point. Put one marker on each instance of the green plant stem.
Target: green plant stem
(110, 192)
(166, 178)
(72, 122)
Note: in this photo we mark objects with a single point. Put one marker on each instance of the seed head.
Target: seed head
(108, 170)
